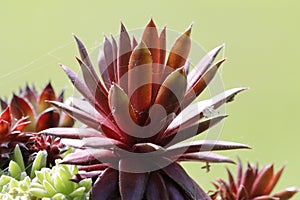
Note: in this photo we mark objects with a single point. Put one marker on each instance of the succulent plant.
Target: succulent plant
(11, 135)
(36, 107)
(54, 184)
(252, 184)
(41, 115)
(138, 112)
(12, 189)
(18, 170)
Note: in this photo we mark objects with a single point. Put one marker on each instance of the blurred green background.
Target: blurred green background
(262, 47)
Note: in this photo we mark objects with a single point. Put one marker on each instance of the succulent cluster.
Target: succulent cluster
(27, 114)
(138, 116)
(37, 109)
(135, 148)
(55, 183)
(39, 182)
(11, 134)
(252, 184)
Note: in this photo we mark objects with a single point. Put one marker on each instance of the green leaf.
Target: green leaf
(18, 158)
(59, 185)
(59, 196)
(14, 170)
(78, 192)
(50, 189)
(38, 192)
(87, 183)
(4, 180)
(39, 162)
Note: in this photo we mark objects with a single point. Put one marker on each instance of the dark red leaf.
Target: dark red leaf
(103, 70)
(262, 180)
(47, 119)
(182, 179)
(231, 181)
(200, 85)
(95, 87)
(196, 111)
(162, 47)
(109, 59)
(274, 181)
(20, 108)
(80, 85)
(72, 133)
(180, 51)
(123, 57)
(95, 121)
(140, 78)
(204, 64)
(156, 188)
(90, 157)
(171, 92)
(6, 116)
(101, 142)
(47, 94)
(147, 147)
(184, 133)
(204, 145)
(132, 185)
(115, 57)
(239, 172)
(174, 191)
(95, 167)
(84, 56)
(106, 185)
(242, 193)
(205, 157)
(248, 178)
(287, 193)
(122, 110)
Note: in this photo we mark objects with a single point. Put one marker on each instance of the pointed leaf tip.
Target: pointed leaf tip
(151, 23)
(189, 30)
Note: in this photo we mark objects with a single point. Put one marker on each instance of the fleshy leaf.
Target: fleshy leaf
(109, 59)
(140, 78)
(106, 185)
(19, 108)
(184, 133)
(132, 185)
(201, 84)
(180, 51)
(89, 156)
(95, 87)
(172, 91)
(203, 66)
(286, 194)
(179, 176)
(156, 187)
(123, 57)
(47, 119)
(97, 122)
(262, 180)
(47, 94)
(205, 157)
(204, 145)
(122, 109)
(72, 133)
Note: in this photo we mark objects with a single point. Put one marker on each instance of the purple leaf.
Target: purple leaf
(180, 177)
(205, 157)
(106, 185)
(132, 185)
(156, 188)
